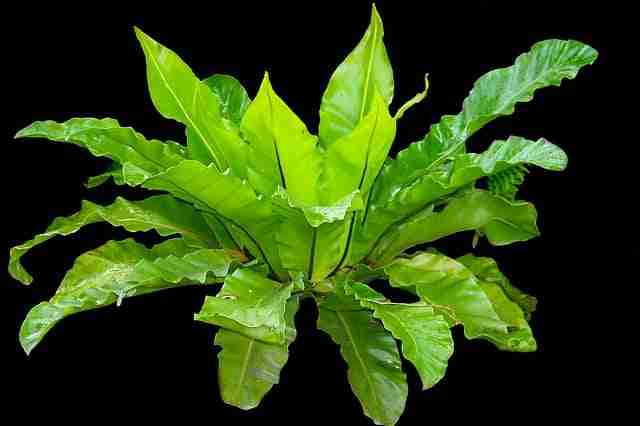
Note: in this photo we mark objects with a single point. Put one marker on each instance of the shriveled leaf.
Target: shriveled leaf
(140, 158)
(250, 304)
(282, 151)
(495, 94)
(349, 95)
(502, 221)
(425, 335)
(232, 96)
(248, 368)
(179, 95)
(451, 289)
(121, 269)
(163, 213)
(375, 370)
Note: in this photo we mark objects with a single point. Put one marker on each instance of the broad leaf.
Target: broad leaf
(120, 269)
(114, 171)
(179, 95)
(375, 370)
(495, 94)
(501, 160)
(349, 95)
(282, 151)
(232, 96)
(250, 304)
(487, 270)
(502, 221)
(425, 335)
(140, 158)
(163, 213)
(250, 218)
(248, 368)
(451, 289)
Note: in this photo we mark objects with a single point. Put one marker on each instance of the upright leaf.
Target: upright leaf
(179, 95)
(120, 269)
(350, 92)
(140, 158)
(425, 335)
(495, 94)
(232, 97)
(163, 213)
(249, 217)
(248, 368)
(451, 289)
(250, 304)
(502, 221)
(282, 151)
(375, 371)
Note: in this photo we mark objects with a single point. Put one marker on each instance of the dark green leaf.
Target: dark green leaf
(232, 96)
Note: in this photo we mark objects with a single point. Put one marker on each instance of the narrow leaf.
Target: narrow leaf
(163, 213)
(419, 97)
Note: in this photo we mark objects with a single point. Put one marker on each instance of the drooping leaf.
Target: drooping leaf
(419, 97)
(232, 96)
(425, 335)
(179, 95)
(502, 158)
(121, 269)
(249, 217)
(375, 371)
(487, 270)
(140, 158)
(250, 304)
(349, 94)
(451, 289)
(163, 213)
(282, 151)
(248, 368)
(501, 221)
(495, 94)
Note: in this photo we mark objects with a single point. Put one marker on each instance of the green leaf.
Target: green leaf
(250, 304)
(121, 269)
(494, 95)
(114, 171)
(500, 160)
(230, 198)
(163, 213)
(232, 97)
(502, 221)
(487, 270)
(375, 370)
(302, 248)
(140, 158)
(179, 95)
(353, 162)
(282, 151)
(419, 97)
(451, 289)
(248, 368)
(425, 335)
(349, 95)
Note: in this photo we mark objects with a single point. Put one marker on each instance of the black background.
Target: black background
(148, 360)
